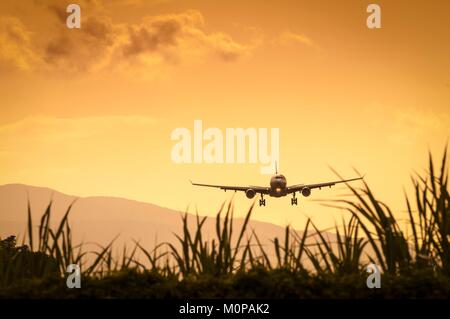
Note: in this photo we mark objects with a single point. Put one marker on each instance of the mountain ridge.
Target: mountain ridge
(99, 219)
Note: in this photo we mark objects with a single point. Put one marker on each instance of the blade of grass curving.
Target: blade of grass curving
(30, 225)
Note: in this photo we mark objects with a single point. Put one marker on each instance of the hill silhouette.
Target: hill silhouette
(100, 219)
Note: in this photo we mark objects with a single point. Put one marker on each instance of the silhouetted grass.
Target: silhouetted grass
(236, 264)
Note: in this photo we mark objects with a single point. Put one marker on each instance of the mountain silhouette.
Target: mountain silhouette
(100, 219)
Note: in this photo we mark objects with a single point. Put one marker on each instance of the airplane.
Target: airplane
(278, 188)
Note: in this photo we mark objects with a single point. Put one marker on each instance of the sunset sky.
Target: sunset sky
(90, 111)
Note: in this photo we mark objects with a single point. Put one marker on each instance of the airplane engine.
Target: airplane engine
(250, 193)
(306, 191)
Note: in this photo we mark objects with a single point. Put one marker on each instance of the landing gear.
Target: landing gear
(262, 201)
(293, 200)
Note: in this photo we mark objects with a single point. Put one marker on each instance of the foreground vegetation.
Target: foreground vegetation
(256, 283)
(235, 265)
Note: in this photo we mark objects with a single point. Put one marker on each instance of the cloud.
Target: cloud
(84, 49)
(413, 124)
(177, 36)
(43, 129)
(44, 146)
(16, 49)
(153, 35)
(224, 46)
(102, 43)
(290, 38)
(403, 125)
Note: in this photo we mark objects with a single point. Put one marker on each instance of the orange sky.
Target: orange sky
(90, 111)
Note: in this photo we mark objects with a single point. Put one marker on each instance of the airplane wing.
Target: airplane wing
(299, 187)
(258, 189)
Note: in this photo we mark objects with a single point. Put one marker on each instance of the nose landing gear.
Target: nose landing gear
(293, 200)
(262, 201)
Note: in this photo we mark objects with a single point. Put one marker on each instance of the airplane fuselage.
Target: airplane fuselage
(278, 185)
